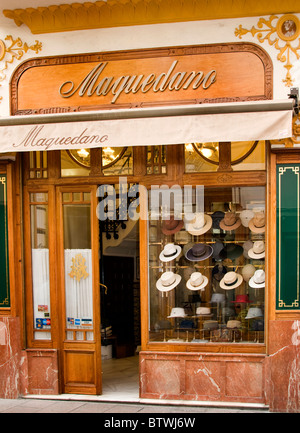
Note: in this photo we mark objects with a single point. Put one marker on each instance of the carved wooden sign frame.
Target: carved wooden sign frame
(142, 78)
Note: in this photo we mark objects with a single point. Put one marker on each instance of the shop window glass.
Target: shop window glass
(117, 161)
(156, 160)
(38, 162)
(40, 266)
(207, 268)
(78, 267)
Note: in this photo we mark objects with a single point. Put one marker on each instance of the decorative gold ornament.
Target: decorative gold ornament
(285, 30)
(78, 268)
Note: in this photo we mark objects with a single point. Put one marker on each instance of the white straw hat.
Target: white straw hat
(177, 312)
(258, 279)
(170, 252)
(199, 225)
(257, 251)
(168, 281)
(197, 281)
(231, 280)
(202, 311)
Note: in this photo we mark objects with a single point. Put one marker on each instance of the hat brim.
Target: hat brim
(200, 287)
(163, 288)
(177, 229)
(236, 225)
(252, 254)
(226, 253)
(189, 255)
(255, 229)
(197, 232)
(237, 284)
(163, 258)
(255, 285)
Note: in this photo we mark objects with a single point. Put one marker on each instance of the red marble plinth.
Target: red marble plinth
(202, 377)
(42, 372)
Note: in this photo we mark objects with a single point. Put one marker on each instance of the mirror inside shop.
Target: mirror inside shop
(207, 266)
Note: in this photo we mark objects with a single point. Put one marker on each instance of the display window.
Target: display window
(207, 267)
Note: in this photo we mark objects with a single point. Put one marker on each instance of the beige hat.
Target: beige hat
(231, 280)
(202, 311)
(199, 225)
(170, 252)
(258, 224)
(257, 251)
(246, 215)
(248, 272)
(258, 279)
(230, 222)
(233, 324)
(197, 281)
(168, 281)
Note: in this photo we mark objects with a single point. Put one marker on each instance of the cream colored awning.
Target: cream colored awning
(239, 121)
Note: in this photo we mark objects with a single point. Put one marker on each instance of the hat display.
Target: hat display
(248, 272)
(231, 251)
(197, 281)
(257, 251)
(168, 281)
(241, 299)
(258, 279)
(233, 324)
(246, 215)
(218, 298)
(231, 280)
(254, 312)
(257, 223)
(177, 312)
(217, 216)
(171, 226)
(199, 252)
(170, 252)
(202, 311)
(199, 225)
(230, 221)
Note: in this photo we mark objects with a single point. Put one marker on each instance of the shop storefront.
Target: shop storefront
(151, 205)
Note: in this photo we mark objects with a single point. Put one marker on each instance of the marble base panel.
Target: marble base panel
(283, 366)
(202, 377)
(42, 372)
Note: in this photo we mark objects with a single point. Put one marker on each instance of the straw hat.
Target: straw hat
(257, 251)
(200, 224)
(197, 281)
(246, 215)
(230, 222)
(258, 279)
(199, 252)
(232, 324)
(171, 226)
(168, 281)
(177, 312)
(257, 223)
(231, 280)
(248, 272)
(170, 252)
(254, 312)
(202, 311)
(246, 246)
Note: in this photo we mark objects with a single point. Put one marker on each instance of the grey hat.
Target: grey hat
(199, 252)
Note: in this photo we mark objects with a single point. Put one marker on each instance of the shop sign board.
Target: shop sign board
(288, 237)
(138, 78)
(4, 265)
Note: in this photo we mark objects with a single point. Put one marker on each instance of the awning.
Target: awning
(238, 121)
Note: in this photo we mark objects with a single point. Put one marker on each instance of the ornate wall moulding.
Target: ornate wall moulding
(112, 13)
(283, 33)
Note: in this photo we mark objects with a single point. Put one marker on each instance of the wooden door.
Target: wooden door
(79, 290)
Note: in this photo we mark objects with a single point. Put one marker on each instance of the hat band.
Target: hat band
(169, 255)
(259, 252)
(258, 226)
(231, 284)
(229, 225)
(196, 284)
(169, 284)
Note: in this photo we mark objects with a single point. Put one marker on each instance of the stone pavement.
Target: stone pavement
(26, 405)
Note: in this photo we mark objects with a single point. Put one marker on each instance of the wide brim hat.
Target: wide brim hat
(197, 281)
(170, 252)
(177, 312)
(199, 252)
(257, 251)
(230, 222)
(199, 225)
(231, 251)
(168, 281)
(231, 280)
(171, 226)
(257, 223)
(257, 281)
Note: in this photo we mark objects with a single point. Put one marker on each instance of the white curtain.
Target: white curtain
(79, 291)
(41, 291)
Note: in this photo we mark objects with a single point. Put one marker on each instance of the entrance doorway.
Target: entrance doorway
(120, 307)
